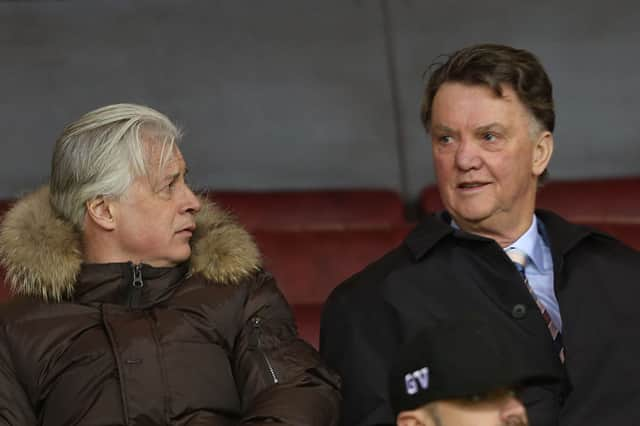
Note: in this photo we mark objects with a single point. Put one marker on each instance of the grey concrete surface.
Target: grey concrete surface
(290, 94)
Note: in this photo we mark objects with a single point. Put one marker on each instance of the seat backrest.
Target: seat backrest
(593, 200)
(298, 210)
(628, 233)
(308, 322)
(309, 264)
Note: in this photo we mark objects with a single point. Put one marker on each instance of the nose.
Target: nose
(192, 202)
(467, 156)
(513, 412)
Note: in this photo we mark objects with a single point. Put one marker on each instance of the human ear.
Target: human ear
(542, 151)
(100, 211)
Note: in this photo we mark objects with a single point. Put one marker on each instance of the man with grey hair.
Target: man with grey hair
(138, 303)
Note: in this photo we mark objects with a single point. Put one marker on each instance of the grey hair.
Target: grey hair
(101, 154)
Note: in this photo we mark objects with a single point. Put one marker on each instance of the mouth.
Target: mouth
(471, 186)
(188, 230)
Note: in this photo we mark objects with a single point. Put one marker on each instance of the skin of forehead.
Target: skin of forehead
(155, 173)
(509, 95)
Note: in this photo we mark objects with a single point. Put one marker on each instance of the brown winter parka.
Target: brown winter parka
(209, 342)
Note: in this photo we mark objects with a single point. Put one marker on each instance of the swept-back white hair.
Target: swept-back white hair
(101, 154)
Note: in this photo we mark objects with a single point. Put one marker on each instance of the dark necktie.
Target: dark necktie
(519, 259)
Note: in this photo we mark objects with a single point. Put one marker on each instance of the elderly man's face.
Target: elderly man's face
(155, 217)
(487, 156)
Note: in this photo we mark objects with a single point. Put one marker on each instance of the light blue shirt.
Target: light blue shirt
(539, 267)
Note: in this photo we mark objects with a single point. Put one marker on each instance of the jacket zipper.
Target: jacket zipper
(257, 326)
(135, 289)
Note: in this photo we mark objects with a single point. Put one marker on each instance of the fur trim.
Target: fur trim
(42, 253)
(222, 251)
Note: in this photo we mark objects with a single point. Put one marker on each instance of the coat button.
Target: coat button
(519, 311)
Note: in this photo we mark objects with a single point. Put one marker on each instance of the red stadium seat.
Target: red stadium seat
(308, 320)
(625, 232)
(329, 209)
(594, 200)
(309, 264)
(430, 201)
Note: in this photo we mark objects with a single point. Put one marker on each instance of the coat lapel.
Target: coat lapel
(501, 282)
(483, 263)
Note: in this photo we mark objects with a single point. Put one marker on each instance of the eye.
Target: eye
(489, 137)
(445, 139)
(170, 186)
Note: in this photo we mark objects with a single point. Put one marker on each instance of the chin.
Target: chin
(470, 214)
(181, 255)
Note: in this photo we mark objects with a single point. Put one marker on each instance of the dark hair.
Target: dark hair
(493, 65)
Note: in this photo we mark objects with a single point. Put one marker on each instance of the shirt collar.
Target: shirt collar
(530, 243)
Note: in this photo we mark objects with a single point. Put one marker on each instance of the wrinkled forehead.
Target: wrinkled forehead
(458, 105)
(161, 154)
(159, 144)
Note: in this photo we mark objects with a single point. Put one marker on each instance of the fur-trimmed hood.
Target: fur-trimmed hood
(42, 253)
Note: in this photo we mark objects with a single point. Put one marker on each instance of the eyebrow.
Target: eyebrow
(443, 128)
(484, 128)
(177, 174)
(171, 177)
(491, 126)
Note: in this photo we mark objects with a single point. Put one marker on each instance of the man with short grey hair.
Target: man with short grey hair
(138, 303)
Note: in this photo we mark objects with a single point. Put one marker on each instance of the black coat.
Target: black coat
(440, 273)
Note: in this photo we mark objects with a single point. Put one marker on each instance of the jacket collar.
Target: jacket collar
(563, 235)
(489, 256)
(113, 283)
(42, 253)
(431, 231)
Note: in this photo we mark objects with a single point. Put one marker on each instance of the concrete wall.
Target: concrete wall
(301, 94)
(589, 48)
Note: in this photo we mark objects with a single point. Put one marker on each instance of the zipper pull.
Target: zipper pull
(135, 290)
(256, 322)
(137, 276)
(255, 335)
